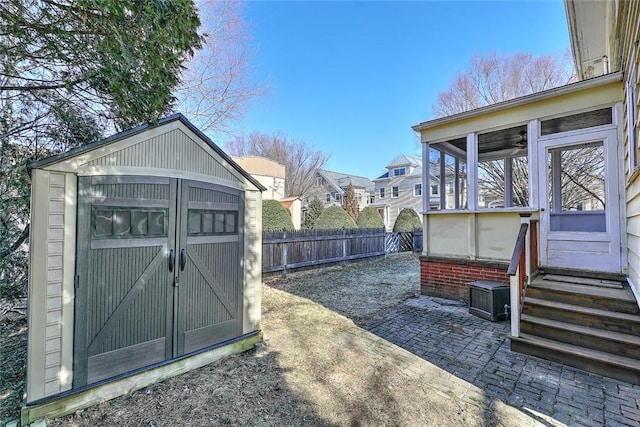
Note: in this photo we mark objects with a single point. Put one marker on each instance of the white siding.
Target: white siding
(629, 34)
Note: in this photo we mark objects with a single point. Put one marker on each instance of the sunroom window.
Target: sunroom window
(503, 171)
(448, 175)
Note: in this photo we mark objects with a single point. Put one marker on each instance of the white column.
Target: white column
(533, 162)
(426, 177)
(472, 171)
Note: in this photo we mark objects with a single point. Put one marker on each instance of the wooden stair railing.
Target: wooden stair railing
(523, 260)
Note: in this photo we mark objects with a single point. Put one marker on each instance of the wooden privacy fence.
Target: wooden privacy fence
(290, 250)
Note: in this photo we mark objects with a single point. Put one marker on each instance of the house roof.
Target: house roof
(587, 23)
(404, 160)
(48, 161)
(342, 180)
(522, 101)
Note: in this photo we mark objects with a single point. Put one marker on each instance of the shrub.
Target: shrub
(334, 217)
(314, 210)
(370, 218)
(406, 221)
(350, 204)
(275, 217)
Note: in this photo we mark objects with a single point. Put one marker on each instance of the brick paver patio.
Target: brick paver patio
(477, 351)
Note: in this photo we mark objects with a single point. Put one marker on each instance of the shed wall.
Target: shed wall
(53, 236)
(53, 218)
(252, 262)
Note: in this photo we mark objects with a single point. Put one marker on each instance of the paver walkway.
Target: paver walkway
(477, 351)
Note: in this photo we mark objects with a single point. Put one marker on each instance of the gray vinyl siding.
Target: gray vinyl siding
(405, 199)
(152, 152)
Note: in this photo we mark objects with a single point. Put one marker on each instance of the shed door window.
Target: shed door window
(128, 223)
(212, 223)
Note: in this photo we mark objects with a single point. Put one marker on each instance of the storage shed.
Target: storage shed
(145, 262)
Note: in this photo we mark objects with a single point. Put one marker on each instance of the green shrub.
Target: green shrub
(314, 210)
(334, 217)
(370, 218)
(406, 221)
(275, 217)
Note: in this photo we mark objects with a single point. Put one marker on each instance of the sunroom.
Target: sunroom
(550, 160)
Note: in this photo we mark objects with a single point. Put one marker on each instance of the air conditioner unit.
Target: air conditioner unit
(488, 299)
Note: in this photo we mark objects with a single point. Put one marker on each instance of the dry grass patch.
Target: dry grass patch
(361, 291)
(318, 369)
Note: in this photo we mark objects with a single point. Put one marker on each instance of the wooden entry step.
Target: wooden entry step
(581, 315)
(581, 322)
(599, 362)
(619, 343)
(599, 297)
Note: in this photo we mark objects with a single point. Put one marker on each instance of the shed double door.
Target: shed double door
(158, 272)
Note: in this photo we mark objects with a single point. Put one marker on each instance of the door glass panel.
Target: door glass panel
(139, 222)
(577, 188)
(207, 222)
(194, 222)
(219, 223)
(103, 223)
(121, 223)
(230, 223)
(158, 223)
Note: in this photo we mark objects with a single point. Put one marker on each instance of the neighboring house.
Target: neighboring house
(400, 187)
(271, 175)
(568, 166)
(267, 172)
(294, 206)
(330, 187)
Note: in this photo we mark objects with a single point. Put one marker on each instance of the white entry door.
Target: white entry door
(580, 220)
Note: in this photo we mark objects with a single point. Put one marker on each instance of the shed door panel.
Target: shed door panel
(134, 310)
(125, 227)
(210, 290)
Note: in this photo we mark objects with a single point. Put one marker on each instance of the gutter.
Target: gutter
(527, 99)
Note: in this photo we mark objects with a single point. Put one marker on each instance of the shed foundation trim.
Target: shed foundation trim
(74, 402)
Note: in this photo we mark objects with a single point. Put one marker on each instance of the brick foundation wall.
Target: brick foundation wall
(450, 277)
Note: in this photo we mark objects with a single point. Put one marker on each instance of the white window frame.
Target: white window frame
(417, 190)
(381, 192)
(399, 171)
(395, 192)
(327, 198)
(434, 187)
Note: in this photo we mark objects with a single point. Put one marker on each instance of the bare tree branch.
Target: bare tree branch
(300, 159)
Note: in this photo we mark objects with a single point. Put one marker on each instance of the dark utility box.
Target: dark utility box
(487, 299)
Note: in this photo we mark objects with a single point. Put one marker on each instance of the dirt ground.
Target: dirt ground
(319, 367)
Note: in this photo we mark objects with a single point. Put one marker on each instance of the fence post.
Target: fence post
(344, 243)
(285, 250)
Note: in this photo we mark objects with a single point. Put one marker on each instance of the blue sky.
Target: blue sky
(351, 78)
